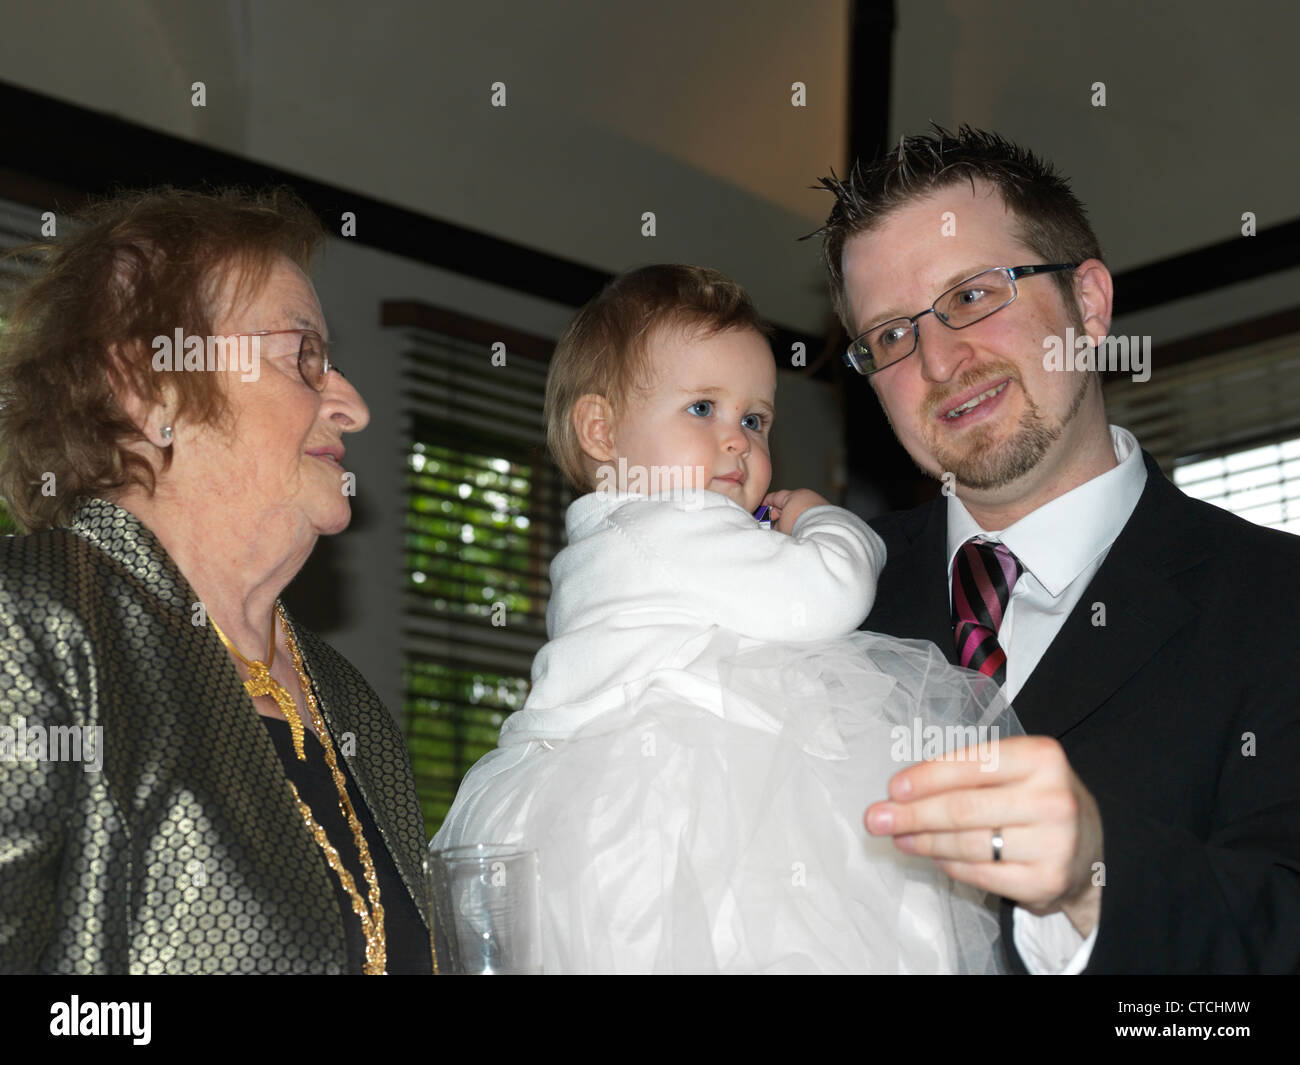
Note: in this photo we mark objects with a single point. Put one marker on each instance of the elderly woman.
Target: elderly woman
(192, 782)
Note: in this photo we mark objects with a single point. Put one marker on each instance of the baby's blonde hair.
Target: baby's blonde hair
(605, 349)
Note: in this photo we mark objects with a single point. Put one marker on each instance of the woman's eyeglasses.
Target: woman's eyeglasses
(313, 355)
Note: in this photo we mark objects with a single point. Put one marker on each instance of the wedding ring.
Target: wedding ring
(997, 844)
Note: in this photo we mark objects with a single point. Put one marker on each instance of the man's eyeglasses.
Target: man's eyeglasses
(313, 355)
(964, 304)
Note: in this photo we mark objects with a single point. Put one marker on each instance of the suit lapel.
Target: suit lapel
(1086, 662)
(1142, 608)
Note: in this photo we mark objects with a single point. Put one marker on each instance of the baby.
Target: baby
(705, 726)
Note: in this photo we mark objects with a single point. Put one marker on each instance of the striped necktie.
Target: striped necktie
(983, 576)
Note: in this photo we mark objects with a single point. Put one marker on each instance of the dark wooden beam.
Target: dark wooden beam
(1227, 338)
(419, 315)
(1208, 269)
(54, 154)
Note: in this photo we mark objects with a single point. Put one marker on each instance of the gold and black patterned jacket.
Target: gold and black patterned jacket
(184, 852)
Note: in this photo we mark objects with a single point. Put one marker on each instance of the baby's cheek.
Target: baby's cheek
(692, 478)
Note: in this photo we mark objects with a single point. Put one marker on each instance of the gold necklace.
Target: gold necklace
(372, 919)
(372, 923)
(260, 682)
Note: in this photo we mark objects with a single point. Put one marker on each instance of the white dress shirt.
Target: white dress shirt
(1061, 545)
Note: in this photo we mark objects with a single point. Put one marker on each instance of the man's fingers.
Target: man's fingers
(966, 808)
(977, 766)
(1020, 843)
(1011, 880)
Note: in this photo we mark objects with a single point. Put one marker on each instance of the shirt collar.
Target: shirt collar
(1060, 539)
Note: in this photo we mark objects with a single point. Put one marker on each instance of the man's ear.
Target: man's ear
(593, 422)
(1095, 289)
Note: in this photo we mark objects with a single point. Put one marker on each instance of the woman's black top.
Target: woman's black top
(404, 932)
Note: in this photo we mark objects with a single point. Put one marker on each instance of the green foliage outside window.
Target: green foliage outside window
(471, 559)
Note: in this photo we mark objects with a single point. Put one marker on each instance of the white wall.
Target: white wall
(681, 107)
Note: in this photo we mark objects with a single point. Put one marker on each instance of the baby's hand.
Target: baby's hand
(788, 504)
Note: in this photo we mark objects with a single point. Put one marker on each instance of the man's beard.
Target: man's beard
(976, 461)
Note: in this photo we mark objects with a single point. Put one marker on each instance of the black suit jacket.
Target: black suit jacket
(1181, 714)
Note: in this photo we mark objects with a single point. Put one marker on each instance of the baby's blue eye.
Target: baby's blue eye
(707, 404)
(753, 421)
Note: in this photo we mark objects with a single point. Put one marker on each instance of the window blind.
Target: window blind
(1260, 484)
(484, 516)
(1221, 402)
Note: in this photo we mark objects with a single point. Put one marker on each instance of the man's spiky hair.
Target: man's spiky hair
(1050, 220)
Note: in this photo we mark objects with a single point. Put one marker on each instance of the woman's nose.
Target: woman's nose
(344, 403)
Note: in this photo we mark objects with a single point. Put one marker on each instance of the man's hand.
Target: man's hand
(789, 503)
(948, 809)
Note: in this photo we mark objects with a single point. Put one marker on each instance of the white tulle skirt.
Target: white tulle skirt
(679, 833)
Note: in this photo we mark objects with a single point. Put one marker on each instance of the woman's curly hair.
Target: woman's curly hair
(129, 268)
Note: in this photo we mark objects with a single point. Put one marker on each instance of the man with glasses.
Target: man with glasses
(1150, 821)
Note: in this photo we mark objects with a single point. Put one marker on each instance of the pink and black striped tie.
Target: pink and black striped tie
(983, 575)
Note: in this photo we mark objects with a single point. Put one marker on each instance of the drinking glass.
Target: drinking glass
(486, 910)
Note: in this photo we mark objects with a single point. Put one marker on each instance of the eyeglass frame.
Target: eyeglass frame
(326, 364)
(1012, 272)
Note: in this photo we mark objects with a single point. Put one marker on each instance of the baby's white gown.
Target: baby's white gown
(704, 732)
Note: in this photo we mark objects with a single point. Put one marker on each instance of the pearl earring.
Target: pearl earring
(167, 434)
